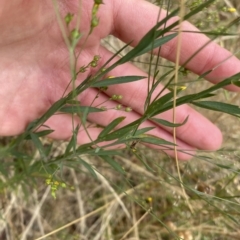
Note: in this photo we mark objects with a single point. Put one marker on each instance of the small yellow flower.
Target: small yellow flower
(149, 199)
(232, 10)
(56, 183)
(48, 181)
(182, 87)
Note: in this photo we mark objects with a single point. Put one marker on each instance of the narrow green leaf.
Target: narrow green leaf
(154, 140)
(236, 83)
(157, 43)
(224, 166)
(148, 40)
(110, 126)
(157, 105)
(48, 149)
(84, 117)
(157, 108)
(115, 165)
(50, 112)
(19, 155)
(235, 78)
(93, 152)
(143, 130)
(41, 133)
(139, 157)
(79, 109)
(73, 141)
(84, 147)
(73, 102)
(117, 80)
(220, 107)
(38, 144)
(204, 74)
(88, 167)
(119, 133)
(232, 218)
(167, 123)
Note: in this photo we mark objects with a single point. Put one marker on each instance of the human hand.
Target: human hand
(34, 64)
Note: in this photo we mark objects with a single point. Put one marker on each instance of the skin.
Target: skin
(34, 68)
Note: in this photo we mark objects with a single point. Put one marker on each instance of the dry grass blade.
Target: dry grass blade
(89, 214)
(134, 226)
(80, 202)
(35, 214)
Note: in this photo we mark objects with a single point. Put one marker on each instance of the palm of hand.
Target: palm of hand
(34, 61)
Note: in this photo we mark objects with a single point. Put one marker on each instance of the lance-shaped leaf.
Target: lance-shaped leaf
(119, 133)
(122, 132)
(73, 102)
(93, 152)
(157, 43)
(167, 123)
(38, 144)
(117, 80)
(157, 108)
(139, 157)
(236, 83)
(143, 130)
(146, 138)
(220, 107)
(157, 105)
(148, 40)
(72, 143)
(50, 112)
(115, 165)
(41, 133)
(87, 166)
(110, 126)
(153, 34)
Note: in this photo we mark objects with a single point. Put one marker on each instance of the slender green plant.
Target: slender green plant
(49, 168)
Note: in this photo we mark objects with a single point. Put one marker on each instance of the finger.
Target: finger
(104, 118)
(143, 15)
(64, 125)
(195, 132)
